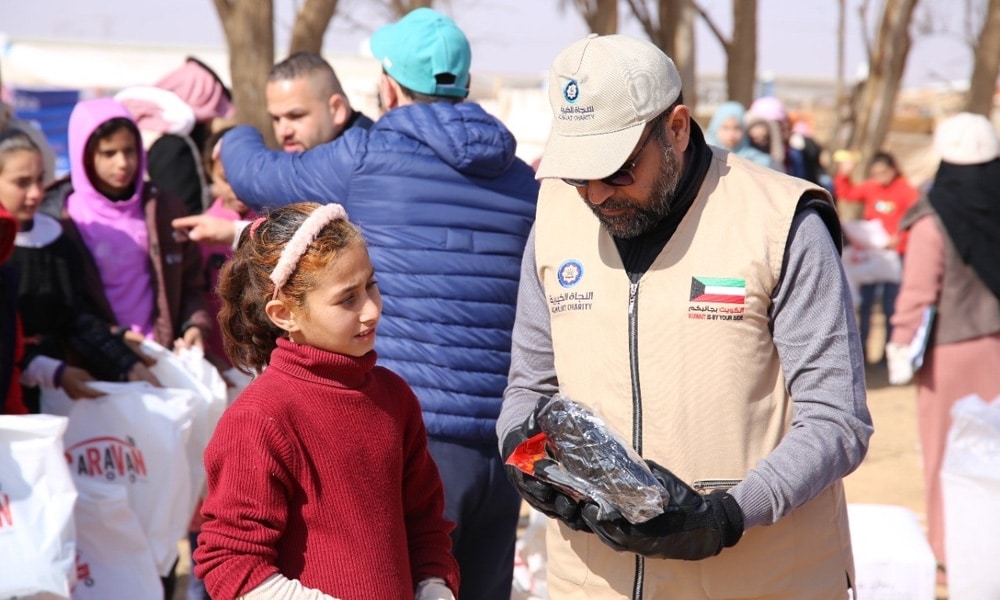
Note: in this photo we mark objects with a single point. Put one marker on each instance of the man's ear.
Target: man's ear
(340, 111)
(679, 123)
(281, 315)
(389, 93)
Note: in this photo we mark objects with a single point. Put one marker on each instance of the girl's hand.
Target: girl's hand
(140, 372)
(74, 383)
(133, 340)
(192, 338)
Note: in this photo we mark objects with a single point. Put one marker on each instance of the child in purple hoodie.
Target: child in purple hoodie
(139, 277)
(144, 282)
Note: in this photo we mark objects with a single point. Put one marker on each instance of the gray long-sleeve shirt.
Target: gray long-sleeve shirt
(812, 323)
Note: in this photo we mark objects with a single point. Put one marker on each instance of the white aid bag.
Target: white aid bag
(114, 561)
(189, 370)
(970, 484)
(136, 437)
(37, 496)
(238, 382)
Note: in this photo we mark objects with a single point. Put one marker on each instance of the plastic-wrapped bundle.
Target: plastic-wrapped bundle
(593, 460)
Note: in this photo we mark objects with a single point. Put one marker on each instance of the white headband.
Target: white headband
(299, 243)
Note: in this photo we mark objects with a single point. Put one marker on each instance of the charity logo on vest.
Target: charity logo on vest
(717, 299)
(107, 458)
(569, 274)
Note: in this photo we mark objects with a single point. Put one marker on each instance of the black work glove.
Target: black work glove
(692, 526)
(544, 497)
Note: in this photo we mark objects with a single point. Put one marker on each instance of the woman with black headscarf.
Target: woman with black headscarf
(952, 264)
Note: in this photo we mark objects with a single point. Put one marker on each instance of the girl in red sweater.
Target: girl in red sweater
(319, 481)
(886, 196)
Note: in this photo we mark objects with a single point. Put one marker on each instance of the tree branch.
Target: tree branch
(645, 19)
(726, 44)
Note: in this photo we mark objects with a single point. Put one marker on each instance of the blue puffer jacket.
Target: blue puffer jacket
(446, 208)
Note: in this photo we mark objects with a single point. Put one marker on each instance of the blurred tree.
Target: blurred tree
(983, 84)
(249, 30)
(740, 48)
(311, 22)
(874, 98)
(671, 28)
(601, 16)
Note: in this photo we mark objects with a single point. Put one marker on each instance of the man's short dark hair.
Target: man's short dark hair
(306, 64)
(427, 98)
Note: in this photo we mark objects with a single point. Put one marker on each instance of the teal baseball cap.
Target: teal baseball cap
(426, 52)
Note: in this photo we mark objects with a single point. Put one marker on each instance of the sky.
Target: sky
(795, 37)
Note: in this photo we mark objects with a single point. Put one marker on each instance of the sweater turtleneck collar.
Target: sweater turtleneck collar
(320, 366)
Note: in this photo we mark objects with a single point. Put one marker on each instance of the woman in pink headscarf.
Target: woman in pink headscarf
(175, 117)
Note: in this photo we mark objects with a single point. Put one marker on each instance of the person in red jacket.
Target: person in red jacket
(320, 484)
(11, 344)
(886, 196)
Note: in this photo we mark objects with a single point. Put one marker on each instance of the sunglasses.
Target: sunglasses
(619, 178)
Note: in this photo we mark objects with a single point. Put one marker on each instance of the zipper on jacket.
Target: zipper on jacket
(707, 485)
(633, 359)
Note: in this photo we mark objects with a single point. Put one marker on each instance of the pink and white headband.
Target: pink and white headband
(300, 241)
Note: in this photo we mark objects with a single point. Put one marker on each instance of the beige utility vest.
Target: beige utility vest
(698, 388)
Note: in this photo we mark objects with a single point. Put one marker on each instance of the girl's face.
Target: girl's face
(730, 132)
(341, 313)
(760, 136)
(21, 184)
(222, 189)
(116, 162)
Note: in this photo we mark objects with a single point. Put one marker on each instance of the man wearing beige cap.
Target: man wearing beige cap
(698, 303)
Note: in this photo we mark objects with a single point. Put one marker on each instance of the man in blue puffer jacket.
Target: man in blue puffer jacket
(446, 208)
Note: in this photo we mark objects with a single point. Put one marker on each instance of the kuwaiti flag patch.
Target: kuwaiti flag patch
(718, 289)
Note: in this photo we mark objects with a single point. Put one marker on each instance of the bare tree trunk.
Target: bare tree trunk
(741, 56)
(311, 23)
(249, 29)
(877, 95)
(601, 16)
(740, 49)
(982, 86)
(400, 8)
(835, 142)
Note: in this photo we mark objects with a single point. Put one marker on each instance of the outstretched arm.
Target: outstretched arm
(268, 178)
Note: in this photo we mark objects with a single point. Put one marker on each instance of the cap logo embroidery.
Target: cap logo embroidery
(571, 92)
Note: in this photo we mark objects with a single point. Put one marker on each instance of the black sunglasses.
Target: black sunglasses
(619, 178)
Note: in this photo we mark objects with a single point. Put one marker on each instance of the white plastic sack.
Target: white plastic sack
(872, 265)
(114, 561)
(239, 382)
(970, 483)
(189, 370)
(530, 559)
(136, 436)
(37, 535)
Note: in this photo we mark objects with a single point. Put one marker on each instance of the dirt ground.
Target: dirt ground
(890, 473)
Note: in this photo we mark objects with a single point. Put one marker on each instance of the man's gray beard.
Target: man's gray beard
(642, 219)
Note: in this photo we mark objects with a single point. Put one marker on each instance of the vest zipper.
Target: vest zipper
(707, 485)
(633, 353)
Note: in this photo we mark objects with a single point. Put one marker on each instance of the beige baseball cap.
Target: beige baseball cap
(966, 139)
(603, 90)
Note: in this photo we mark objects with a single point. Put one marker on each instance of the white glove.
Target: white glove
(897, 359)
(433, 589)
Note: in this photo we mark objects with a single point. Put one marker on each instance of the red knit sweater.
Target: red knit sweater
(320, 471)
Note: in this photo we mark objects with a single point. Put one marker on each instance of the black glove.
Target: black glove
(542, 496)
(692, 526)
